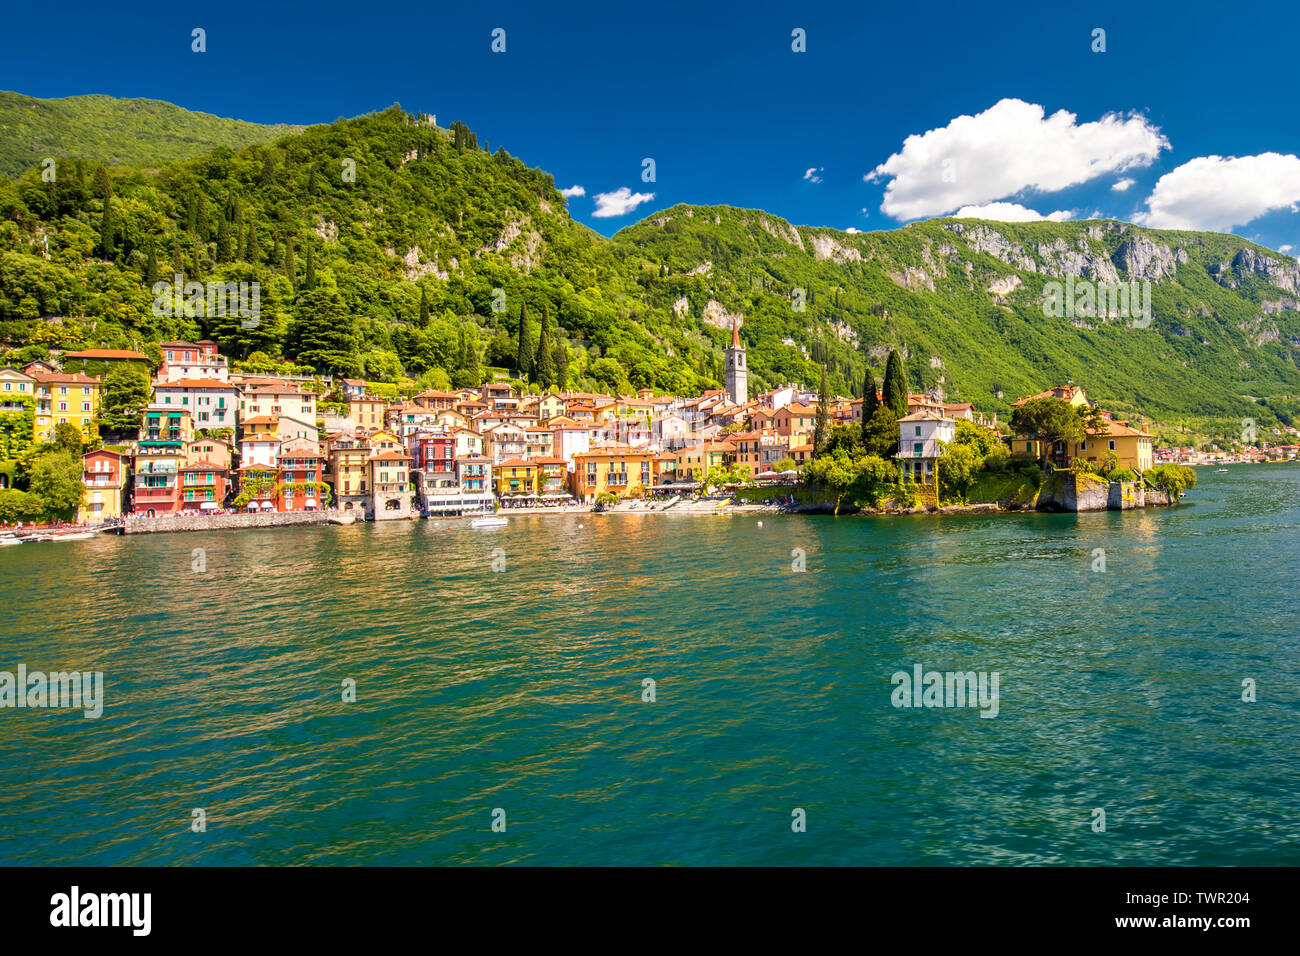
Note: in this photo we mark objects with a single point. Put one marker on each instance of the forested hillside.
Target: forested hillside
(388, 247)
(130, 132)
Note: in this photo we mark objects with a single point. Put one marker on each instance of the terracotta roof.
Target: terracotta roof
(261, 420)
(196, 383)
(925, 415)
(390, 456)
(549, 460)
(105, 354)
(516, 463)
(64, 378)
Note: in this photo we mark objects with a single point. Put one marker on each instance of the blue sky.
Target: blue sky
(1191, 102)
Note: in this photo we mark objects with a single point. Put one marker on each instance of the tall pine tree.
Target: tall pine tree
(561, 364)
(869, 401)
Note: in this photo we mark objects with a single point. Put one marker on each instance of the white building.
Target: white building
(921, 436)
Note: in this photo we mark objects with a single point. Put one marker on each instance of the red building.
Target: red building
(301, 476)
(203, 486)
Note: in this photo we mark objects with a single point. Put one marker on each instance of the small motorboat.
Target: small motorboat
(1220, 471)
(489, 521)
(9, 539)
(79, 535)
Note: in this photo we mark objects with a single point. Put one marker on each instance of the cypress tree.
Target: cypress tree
(545, 358)
(268, 171)
(192, 213)
(223, 240)
(311, 182)
(870, 401)
(895, 389)
(290, 267)
(524, 351)
(106, 230)
(311, 270)
(821, 428)
(561, 364)
(151, 269)
(252, 252)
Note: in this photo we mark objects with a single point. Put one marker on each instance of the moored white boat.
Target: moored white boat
(489, 521)
(9, 539)
(73, 535)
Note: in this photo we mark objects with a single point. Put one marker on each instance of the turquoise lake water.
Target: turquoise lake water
(522, 690)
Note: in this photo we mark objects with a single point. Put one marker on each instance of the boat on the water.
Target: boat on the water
(79, 535)
(1220, 471)
(488, 521)
(9, 539)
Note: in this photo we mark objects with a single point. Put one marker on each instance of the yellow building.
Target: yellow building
(618, 469)
(366, 411)
(66, 398)
(1130, 446)
(515, 476)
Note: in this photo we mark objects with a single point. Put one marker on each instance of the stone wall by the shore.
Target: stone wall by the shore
(202, 522)
(1069, 491)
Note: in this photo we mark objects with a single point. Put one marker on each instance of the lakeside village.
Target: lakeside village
(216, 442)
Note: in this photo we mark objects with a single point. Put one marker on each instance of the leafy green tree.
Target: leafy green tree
(958, 466)
(424, 313)
(56, 480)
(324, 332)
(982, 439)
(1049, 420)
(894, 391)
(18, 506)
(68, 437)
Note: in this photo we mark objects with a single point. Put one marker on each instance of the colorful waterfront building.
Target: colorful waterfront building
(617, 469)
(65, 398)
(213, 403)
(516, 477)
(390, 479)
(160, 454)
(299, 471)
(921, 437)
(103, 472)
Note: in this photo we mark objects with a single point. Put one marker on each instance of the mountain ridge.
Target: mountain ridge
(406, 259)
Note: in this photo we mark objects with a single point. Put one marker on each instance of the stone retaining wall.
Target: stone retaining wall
(201, 522)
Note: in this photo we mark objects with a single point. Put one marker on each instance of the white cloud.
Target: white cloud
(1009, 212)
(1286, 248)
(619, 203)
(1010, 147)
(1217, 193)
(573, 191)
(1123, 184)
(811, 174)
(852, 229)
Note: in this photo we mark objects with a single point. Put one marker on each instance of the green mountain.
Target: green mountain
(131, 132)
(387, 247)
